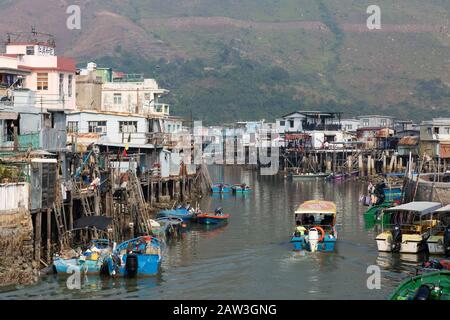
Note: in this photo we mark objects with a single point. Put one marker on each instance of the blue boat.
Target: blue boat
(218, 217)
(221, 188)
(315, 227)
(186, 213)
(88, 262)
(241, 188)
(140, 257)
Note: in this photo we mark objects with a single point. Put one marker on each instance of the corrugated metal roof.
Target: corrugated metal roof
(422, 207)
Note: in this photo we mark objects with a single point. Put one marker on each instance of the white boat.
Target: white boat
(408, 230)
(439, 240)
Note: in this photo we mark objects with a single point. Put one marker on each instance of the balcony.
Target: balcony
(322, 127)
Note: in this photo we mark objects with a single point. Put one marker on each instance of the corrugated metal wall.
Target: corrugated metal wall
(14, 196)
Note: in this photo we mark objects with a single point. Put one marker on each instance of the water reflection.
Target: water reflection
(251, 257)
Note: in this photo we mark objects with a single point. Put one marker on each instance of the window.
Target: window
(436, 130)
(429, 131)
(30, 50)
(282, 123)
(291, 123)
(365, 122)
(97, 126)
(127, 126)
(61, 85)
(147, 96)
(70, 85)
(72, 126)
(42, 81)
(349, 127)
(117, 98)
(169, 128)
(447, 130)
(383, 122)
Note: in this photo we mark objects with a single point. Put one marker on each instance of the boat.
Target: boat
(375, 215)
(427, 286)
(218, 217)
(220, 188)
(241, 188)
(88, 261)
(171, 226)
(439, 240)
(337, 176)
(183, 212)
(139, 257)
(307, 176)
(434, 265)
(315, 222)
(408, 230)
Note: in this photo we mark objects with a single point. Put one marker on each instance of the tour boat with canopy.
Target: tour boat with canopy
(409, 228)
(315, 230)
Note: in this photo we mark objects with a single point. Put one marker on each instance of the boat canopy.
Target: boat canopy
(419, 207)
(316, 206)
(445, 209)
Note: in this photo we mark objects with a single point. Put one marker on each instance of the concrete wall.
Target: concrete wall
(17, 265)
(113, 134)
(14, 196)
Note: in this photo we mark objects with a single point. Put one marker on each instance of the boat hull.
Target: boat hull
(182, 214)
(67, 266)
(327, 245)
(209, 220)
(436, 245)
(148, 265)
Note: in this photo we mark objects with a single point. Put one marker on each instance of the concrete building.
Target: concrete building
(350, 125)
(435, 138)
(376, 121)
(50, 76)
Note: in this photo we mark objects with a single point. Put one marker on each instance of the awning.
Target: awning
(445, 209)
(317, 206)
(98, 222)
(8, 115)
(422, 207)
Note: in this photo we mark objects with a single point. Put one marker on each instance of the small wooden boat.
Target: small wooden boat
(221, 188)
(186, 213)
(171, 225)
(89, 261)
(408, 230)
(241, 188)
(428, 286)
(135, 257)
(374, 214)
(337, 177)
(218, 217)
(315, 230)
(307, 176)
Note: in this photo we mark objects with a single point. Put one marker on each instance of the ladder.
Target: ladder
(136, 202)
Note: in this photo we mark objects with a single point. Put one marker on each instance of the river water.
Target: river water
(251, 257)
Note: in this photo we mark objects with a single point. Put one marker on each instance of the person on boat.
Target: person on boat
(300, 230)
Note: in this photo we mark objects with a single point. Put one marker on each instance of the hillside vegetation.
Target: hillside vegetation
(228, 60)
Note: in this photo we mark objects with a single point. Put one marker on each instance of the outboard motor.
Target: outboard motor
(313, 239)
(447, 241)
(396, 238)
(423, 293)
(131, 265)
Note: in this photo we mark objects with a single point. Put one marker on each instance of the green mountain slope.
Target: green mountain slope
(228, 60)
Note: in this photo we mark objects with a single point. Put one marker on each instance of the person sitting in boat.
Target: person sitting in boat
(299, 230)
(312, 220)
(219, 212)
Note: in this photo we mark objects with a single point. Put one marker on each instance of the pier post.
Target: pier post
(37, 236)
(361, 165)
(49, 234)
(369, 165)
